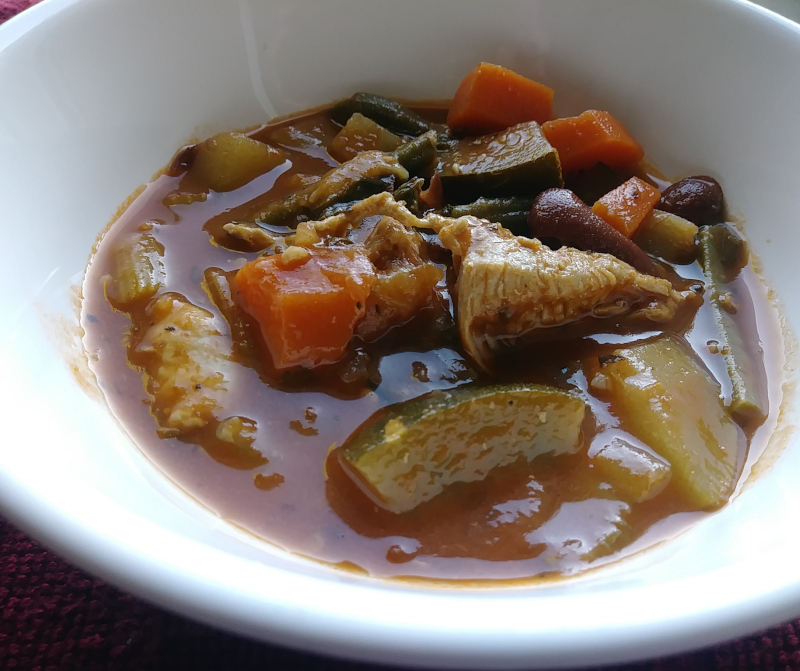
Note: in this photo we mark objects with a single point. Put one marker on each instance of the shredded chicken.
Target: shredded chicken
(367, 165)
(406, 281)
(508, 286)
(187, 362)
(311, 232)
(391, 243)
(381, 204)
(255, 236)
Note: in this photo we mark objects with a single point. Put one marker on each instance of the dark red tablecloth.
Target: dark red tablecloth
(55, 617)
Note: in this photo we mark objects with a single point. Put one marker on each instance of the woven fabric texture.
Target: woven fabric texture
(55, 617)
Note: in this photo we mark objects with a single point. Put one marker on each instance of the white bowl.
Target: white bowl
(97, 95)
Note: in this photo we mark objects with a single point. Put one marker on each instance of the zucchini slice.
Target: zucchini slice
(513, 162)
(409, 452)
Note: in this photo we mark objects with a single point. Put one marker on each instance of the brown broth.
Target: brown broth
(524, 520)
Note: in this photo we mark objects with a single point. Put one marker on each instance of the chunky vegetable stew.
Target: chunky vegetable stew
(469, 343)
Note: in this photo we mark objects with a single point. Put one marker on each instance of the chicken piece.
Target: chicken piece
(406, 282)
(508, 286)
(381, 204)
(311, 232)
(391, 244)
(255, 236)
(187, 362)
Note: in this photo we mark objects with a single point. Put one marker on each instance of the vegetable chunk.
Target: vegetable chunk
(627, 206)
(722, 253)
(673, 405)
(516, 160)
(307, 302)
(667, 235)
(230, 160)
(491, 98)
(138, 271)
(361, 134)
(634, 473)
(590, 138)
(408, 453)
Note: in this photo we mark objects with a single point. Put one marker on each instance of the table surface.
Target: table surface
(54, 616)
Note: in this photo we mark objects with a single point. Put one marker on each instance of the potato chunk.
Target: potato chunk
(359, 134)
(672, 404)
(227, 161)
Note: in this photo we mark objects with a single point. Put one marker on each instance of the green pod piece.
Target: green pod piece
(511, 213)
(418, 156)
(388, 113)
(409, 452)
(409, 193)
(280, 211)
(723, 253)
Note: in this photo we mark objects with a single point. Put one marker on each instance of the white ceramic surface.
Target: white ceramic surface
(95, 96)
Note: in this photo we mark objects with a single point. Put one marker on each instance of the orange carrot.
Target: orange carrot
(492, 98)
(593, 137)
(307, 302)
(628, 205)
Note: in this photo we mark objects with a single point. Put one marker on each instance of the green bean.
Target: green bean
(723, 253)
(511, 213)
(387, 113)
(419, 155)
(279, 211)
(409, 193)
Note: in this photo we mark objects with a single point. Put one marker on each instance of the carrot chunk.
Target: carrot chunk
(307, 302)
(492, 98)
(592, 137)
(628, 205)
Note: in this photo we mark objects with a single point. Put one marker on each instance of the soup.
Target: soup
(456, 343)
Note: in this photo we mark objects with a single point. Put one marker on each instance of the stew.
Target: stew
(475, 343)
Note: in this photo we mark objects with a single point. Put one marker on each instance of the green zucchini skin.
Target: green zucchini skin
(410, 452)
(518, 161)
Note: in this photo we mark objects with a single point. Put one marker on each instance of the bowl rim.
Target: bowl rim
(312, 613)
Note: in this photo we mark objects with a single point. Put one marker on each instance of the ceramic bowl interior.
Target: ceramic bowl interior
(96, 98)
